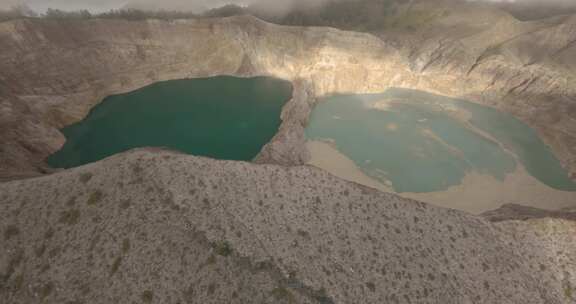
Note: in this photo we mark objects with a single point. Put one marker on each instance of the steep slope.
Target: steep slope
(54, 71)
(156, 226)
(551, 234)
(172, 5)
(535, 9)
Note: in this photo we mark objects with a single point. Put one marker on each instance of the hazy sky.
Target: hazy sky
(103, 5)
(42, 5)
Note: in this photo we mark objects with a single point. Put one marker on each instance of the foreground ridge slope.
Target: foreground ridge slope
(158, 226)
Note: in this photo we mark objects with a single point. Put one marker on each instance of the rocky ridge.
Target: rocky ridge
(161, 227)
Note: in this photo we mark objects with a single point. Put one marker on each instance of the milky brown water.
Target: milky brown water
(417, 144)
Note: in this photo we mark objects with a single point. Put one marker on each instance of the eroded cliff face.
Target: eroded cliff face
(162, 227)
(53, 72)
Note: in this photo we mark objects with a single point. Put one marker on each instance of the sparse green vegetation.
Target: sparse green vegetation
(15, 261)
(46, 290)
(222, 248)
(415, 19)
(54, 252)
(147, 296)
(49, 233)
(189, 293)
(18, 282)
(211, 260)
(361, 15)
(11, 231)
(304, 234)
(125, 246)
(322, 297)
(71, 202)
(116, 265)
(371, 286)
(85, 177)
(225, 11)
(211, 288)
(44, 268)
(95, 197)
(206, 202)
(70, 217)
(40, 250)
(22, 11)
(568, 292)
(125, 204)
(282, 294)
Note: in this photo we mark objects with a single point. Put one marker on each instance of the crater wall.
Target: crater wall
(54, 71)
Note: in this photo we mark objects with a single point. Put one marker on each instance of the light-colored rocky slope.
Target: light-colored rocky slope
(152, 226)
(53, 71)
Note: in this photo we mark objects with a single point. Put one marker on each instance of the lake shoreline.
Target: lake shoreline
(477, 193)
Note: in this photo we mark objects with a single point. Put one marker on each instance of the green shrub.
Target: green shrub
(281, 293)
(222, 248)
(70, 217)
(95, 197)
(11, 231)
(147, 296)
(85, 177)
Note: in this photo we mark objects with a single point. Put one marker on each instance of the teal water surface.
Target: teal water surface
(417, 146)
(220, 117)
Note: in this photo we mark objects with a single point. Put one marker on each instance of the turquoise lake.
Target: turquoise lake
(220, 117)
(414, 143)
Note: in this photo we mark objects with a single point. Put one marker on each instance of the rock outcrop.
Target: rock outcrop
(153, 226)
(519, 212)
(54, 71)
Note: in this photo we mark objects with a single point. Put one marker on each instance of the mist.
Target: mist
(274, 7)
(69, 5)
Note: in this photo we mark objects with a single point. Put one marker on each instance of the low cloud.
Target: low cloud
(276, 6)
(42, 5)
(181, 5)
